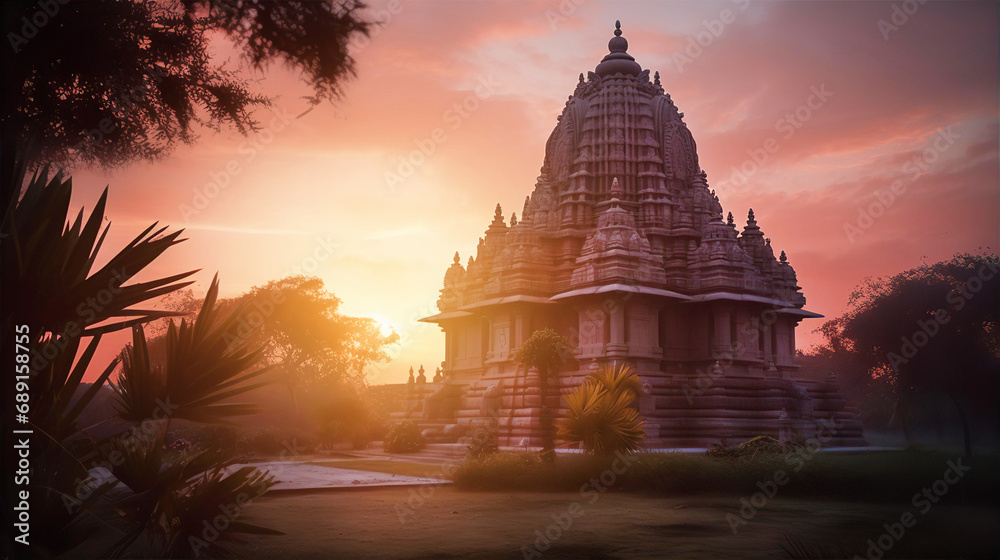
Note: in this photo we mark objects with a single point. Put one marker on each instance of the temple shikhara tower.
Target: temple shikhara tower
(623, 248)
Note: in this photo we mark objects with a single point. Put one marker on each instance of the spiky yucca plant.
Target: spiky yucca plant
(206, 363)
(173, 506)
(600, 413)
(54, 297)
(59, 304)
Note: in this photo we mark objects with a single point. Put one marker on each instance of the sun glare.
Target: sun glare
(385, 326)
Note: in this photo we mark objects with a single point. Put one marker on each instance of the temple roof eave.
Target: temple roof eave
(505, 300)
(609, 288)
(784, 307)
(445, 316)
(799, 312)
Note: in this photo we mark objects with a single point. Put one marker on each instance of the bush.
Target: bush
(500, 471)
(403, 437)
(347, 415)
(211, 437)
(759, 446)
(264, 441)
(484, 442)
(357, 434)
(599, 414)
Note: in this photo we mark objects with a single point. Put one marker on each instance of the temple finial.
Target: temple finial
(750, 215)
(783, 258)
(618, 61)
(581, 77)
(513, 219)
(616, 189)
(656, 78)
(729, 219)
(498, 213)
(457, 258)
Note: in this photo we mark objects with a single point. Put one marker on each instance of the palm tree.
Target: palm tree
(544, 350)
(600, 412)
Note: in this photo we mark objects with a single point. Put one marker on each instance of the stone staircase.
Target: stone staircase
(678, 411)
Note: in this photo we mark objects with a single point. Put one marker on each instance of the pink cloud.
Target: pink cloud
(325, 173)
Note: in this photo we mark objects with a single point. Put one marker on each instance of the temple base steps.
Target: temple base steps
(679, 411)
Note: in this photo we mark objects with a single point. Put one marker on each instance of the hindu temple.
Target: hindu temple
(623, 248)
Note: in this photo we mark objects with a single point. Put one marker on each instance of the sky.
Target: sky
(863, 135)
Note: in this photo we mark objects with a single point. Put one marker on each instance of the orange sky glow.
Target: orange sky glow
(864, 149)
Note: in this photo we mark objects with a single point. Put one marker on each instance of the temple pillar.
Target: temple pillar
(449, 347)
(592, 330)
(519, 334)
(617, 347)
(721, 339)
(783, 338)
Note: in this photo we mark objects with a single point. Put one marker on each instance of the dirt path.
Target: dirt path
(446, 523)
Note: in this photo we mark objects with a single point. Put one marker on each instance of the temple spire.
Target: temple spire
(498, 221)
(616, 189)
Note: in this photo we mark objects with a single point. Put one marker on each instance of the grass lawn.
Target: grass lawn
(866, 476)
(444, 522)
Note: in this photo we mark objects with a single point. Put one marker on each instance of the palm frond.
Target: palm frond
(599, 413)
(206, 364)
(49, 261)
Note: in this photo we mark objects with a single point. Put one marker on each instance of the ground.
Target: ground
(442, 522)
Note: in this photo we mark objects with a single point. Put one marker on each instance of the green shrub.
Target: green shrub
(502, 470)
(403, 437)
(483, 442)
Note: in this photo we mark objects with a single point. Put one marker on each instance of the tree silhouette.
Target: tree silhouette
(931, 330)
(297, 322)
(117, 81)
